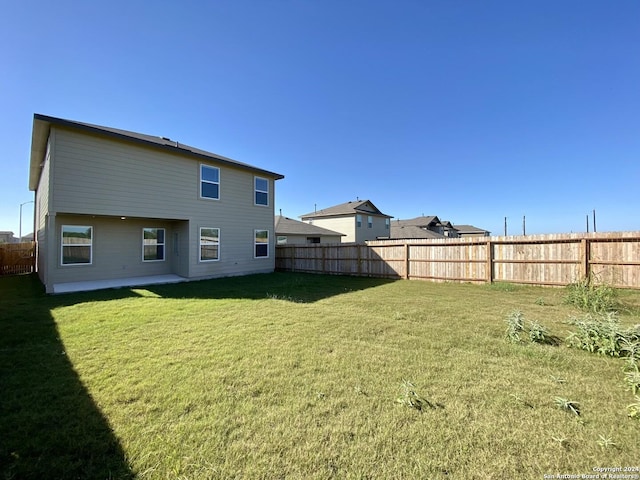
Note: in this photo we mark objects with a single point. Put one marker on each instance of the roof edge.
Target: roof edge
(42, 125)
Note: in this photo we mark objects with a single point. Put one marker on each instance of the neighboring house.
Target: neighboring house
(359, 221)
(422, 227)
(293, 232)
(7, 237)
(471, 231)
(118, 205)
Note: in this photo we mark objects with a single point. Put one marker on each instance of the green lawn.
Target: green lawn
(298, 376)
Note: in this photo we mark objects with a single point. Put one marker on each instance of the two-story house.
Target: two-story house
(359, 221)
(115, 208)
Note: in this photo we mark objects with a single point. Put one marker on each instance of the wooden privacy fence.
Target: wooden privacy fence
(552, 260)
(17, 258)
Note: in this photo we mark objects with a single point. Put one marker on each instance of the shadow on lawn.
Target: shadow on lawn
(295, 287)
(49, 425)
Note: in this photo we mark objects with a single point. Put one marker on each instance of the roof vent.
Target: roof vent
(167, 139)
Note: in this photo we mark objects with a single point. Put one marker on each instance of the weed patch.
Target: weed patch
(591, 297)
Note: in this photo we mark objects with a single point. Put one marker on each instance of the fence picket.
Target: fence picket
(552, 260)
(17, 258)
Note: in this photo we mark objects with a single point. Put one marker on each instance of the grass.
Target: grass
(299, 376)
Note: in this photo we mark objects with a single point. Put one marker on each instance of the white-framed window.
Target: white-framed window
(261, 243)
(261, 187)
(153, 244)
(209, 244)
(369, 221)
(209, 182)
(387, 223)
(358, 220)
(77, 245)
(282, 239)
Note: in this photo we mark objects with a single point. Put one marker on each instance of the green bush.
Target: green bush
(591, 297)
(604, 335)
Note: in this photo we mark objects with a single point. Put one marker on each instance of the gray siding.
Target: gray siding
(378, 229)
(96, 180)
(41, 209)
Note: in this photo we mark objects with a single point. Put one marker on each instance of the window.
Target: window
(369, 221)
(209, 182)
(282, 240)
(152, 244)
(313, 239)
(209, 244)
(261, 191)
(77, 245)
(358, 221)
(261, 243)
(387, 223)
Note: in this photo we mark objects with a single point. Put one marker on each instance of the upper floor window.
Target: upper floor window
(261, 191)
(369, 221)
(77, 245)
(152, 244)
(358, 221)
(209, 182)
(209, 244)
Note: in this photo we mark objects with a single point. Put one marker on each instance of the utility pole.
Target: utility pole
(505, 226)
(594, 220)
(587, 223)
(20, 231)
(524, 225)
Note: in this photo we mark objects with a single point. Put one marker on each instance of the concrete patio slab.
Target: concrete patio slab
(116, 283)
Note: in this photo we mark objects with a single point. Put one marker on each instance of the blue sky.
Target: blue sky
(469, 110)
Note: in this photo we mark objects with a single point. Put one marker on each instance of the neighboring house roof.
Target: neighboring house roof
(364, 207)
(40, 135)
(412, 231)
(469, 229)
(288, 226)
(423, 221)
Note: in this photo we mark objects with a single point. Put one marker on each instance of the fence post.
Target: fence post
(586, 257)
(407, 261)
(489, 265)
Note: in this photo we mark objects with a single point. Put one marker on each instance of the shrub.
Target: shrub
(538, 333)
(516, 328)
(604, 335)
(515, 325)
(590, 297)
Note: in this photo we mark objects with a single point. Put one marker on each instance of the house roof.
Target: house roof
(412, 231)
(345, 209)
(423, 221)
(469, 229)
(288, 226)
(42, 125)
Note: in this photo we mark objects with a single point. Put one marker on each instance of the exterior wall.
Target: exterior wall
(302, 239)
(377, 230)
(41, 209)
(117, 250)
(346, 225)
(95, 181)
